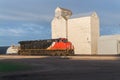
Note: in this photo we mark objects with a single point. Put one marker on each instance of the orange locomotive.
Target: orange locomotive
(60, 46)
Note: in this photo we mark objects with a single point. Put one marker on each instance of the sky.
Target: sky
(31, 19)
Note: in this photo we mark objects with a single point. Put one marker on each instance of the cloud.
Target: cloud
(24, 29)
(23, 16)
(11, 32)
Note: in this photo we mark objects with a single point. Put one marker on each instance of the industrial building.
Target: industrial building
(82, 31)
(109, 45)
(12, 49)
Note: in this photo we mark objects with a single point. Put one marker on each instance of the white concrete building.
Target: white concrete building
(83, 31)
(109, 45)
(59, 23)
(12, 49)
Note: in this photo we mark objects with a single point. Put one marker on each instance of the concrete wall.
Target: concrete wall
(58, 28)
(94, 33)
(79, 34)
(83, 32)
(107, 47)
(118, 44)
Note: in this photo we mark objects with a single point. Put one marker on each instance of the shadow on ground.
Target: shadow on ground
(62, 68)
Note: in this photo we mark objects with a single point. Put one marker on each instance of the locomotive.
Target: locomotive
(53, 47)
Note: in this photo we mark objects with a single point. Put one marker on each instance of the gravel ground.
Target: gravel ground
(64, 68)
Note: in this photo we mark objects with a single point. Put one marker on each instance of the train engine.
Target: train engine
(54, 47)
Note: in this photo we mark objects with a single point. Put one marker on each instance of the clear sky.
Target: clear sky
(31, 19)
